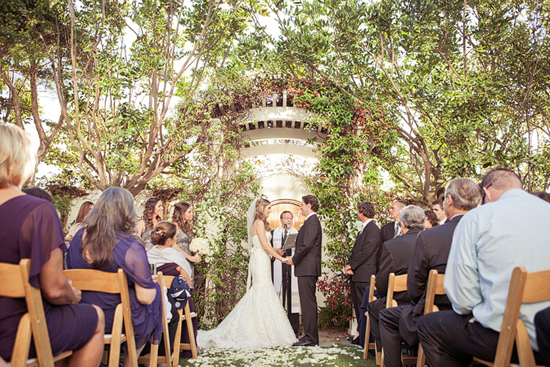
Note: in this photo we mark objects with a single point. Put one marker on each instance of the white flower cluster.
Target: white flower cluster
(210, 221)
(200, 245)
(316, 356)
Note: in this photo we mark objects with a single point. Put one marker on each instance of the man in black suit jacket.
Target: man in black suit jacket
(431, 252)
(362, 261)
(392, 229)
(307, 262)
(396, 256)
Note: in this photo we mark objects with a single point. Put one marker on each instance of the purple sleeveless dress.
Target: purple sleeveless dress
(31, 229)
(129, 255)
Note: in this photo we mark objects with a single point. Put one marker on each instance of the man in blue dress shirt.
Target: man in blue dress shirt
(489, 242)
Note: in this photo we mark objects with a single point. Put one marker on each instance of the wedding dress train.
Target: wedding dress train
(258, 320)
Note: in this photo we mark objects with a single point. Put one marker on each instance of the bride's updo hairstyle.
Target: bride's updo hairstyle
(261, 204)
(162, 232)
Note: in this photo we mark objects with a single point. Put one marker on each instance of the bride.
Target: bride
(258, 320)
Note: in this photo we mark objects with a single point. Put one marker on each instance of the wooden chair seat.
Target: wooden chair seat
(114, 283)
(15, 284)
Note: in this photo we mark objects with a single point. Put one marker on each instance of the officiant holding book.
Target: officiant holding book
(283, 275)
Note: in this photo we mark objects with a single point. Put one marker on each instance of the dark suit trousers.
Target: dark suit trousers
(451, 340)
(307, 286)
(374, 315)
(389, 333)
(542, 326)
(357, 290)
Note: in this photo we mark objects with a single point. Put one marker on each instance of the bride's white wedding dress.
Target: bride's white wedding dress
(258, 320)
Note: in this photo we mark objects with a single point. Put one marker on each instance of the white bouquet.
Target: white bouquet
(200, 245)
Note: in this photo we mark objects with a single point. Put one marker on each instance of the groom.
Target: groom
(307, 262)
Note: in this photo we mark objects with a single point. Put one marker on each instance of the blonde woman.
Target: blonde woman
(31, 229)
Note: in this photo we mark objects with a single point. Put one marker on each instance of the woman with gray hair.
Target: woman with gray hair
(31, 229)
(412, 216)
(106, 243)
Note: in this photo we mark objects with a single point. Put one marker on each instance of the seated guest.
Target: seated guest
(106, 243)
(31, 229)
(85, 208)
(431, 252)
(151, 216)
(431, 219)
(172, 262)
(163, 255)
(437, 208)
(542, 327)
(39, 193)
(489, 242)
(396, 257)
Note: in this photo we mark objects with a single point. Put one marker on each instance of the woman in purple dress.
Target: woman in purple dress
(31, 229)
(106, 243)
(172, 262)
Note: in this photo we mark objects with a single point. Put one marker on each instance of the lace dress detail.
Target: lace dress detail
(258, 320)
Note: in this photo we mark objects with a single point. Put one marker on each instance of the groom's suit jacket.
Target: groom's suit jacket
(364, 255)
(307, 257)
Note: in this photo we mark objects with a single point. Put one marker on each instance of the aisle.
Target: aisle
(336, 355)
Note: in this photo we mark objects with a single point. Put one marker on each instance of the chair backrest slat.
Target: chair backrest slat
(12, 285)
(536, 287)
(372, 287)
(396, 283)
(94, 280)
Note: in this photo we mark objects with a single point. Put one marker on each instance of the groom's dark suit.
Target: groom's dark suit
(307, 268)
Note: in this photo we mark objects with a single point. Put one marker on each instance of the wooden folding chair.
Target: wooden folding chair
(396, 283)
(15, 284)
(434, 287)
(524, 288)
(114, 283)
(186, 315)
(372, 287)
(152, 359)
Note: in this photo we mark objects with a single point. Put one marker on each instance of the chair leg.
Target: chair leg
(378, 355)
(177, 341)
(421, 359)
(153, 356)
(367, 337)
(189, 322)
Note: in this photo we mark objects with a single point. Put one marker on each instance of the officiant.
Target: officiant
(283, 274)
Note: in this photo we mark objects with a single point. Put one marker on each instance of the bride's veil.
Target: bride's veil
(250, 215)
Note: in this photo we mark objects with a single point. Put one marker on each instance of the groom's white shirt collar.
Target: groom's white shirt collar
(310, 215)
